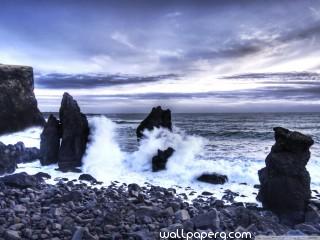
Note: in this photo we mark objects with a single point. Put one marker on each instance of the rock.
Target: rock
(182, 215)
(295, 233)
(21, 154)
(78, 234)
(229, 195)
(157, 118)
(285, 182)
(312, 214)
(50, 141)
(12, 235)
(149, 211)
(11, 155)
(87, 177)
(133, 190)
(307, 229)
(75, 132)
(160, 160)
(7, 163)
(207, 220)
(206, 193)
(142, 235)
(42, 175)
(213, 178)
(19, 209)
(21, 180)
(17, 101)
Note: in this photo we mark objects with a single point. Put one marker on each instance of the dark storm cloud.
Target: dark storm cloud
(263, 93)
(131, 42)
(131, 31)
(84, 81)
(280, 76)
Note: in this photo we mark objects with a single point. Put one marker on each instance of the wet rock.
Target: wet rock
(229, 195)
(307, 229)
(182, 215)
(42, 175)
(78, 234)
(75, 132)
(87, 177)
(209, 220)
(156, 118)
(213, 178)
(7, 163)
(160, 160)
(312, 214)
(12, 235)
(285, 182)
(256, 186)
(17, 100)
(11, 155)
(21, 180)
(50, 141)
(205, 193)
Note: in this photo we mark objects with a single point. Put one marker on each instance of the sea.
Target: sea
(233, 144)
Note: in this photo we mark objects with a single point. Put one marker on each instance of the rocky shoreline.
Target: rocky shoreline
(32, 209)
(83, 209)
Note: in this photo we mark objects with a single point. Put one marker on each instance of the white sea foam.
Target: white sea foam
(105, 160)
(30, 137)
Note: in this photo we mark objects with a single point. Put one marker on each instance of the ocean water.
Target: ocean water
(232, 144)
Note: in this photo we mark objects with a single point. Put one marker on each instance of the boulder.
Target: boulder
(87, 177)
(42, 175)
(50, 141)
(160, 160)
(157, 118)
(75, 132)
(213, 178)
(21, 180)
(11, 155)
(21, 154)
(7, 165)
(17, 100)
(209, 220)
(285, 182)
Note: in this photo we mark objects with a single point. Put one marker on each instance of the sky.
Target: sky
(189, 56)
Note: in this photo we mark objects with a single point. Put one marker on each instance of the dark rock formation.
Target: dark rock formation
(160, 160)
(17, 101)
(157, 118)
(7, 164)
(50, 141)
(11, 155)
(42, 175)
(75, 132)
(285, 182)
(21, 180)
(87, 177)
(213, 178)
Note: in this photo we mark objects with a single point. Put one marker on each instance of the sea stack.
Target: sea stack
(18, 104)
(50, 141)
(75, 133)
(72, 131)
(285, 182)
(156, 118)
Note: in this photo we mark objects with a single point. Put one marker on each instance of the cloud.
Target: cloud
(130, 48)
(86, 81)
(123, 39)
